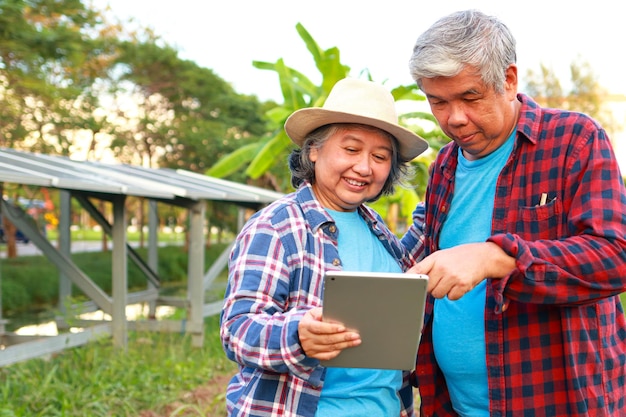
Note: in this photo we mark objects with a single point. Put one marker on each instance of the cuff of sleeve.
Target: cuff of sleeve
(510, 245)
(302, 366)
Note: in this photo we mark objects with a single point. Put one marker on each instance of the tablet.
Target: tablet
(386, 309)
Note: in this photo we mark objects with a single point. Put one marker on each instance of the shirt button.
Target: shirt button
(332, 228)
(336, 262)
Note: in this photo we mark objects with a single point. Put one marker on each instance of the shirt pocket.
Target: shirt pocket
(541, 221)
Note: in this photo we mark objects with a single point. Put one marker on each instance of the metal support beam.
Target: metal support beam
(64, 246)
(195, 271)
(17, 350)
(120, 273)
(153, 248)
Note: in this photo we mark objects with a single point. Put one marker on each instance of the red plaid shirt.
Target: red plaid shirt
(559, 349)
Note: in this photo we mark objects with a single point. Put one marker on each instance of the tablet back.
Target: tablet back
(387, 309)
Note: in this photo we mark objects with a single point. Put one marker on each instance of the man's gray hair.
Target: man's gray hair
(461, 39)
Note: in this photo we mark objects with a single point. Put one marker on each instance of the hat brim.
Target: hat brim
(302, 122)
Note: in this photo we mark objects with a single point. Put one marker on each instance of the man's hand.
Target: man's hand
(456, 271)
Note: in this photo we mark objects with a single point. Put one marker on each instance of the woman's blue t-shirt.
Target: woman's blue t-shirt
(357, 392)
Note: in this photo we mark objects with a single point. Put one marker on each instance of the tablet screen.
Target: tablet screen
(386, 309)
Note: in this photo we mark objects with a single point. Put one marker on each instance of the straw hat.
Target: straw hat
(356, 101)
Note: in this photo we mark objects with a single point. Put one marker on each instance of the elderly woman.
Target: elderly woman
(351, 151)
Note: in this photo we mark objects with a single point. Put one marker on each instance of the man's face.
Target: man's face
(473, 115)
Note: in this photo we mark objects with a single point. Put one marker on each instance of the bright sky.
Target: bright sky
(227, 35)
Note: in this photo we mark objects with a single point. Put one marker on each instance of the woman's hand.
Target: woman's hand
(324, 340)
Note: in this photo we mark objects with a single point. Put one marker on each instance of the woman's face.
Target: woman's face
(351, 167)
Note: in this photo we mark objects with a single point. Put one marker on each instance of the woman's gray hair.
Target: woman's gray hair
(302, 168)
(465, 38)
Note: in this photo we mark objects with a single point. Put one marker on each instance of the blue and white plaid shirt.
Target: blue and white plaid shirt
(275, 276)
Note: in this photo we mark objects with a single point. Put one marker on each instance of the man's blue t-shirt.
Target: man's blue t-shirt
(459, 326)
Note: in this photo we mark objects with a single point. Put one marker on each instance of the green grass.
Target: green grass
(25, 295)
(99, 380)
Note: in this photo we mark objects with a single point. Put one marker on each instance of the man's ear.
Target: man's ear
(510, 81)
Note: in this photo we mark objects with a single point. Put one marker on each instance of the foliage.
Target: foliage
(268, 156)
(153, 372)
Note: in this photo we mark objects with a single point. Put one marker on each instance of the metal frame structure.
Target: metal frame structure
(113, 183)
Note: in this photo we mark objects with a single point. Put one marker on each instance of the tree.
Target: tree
(182, 115)
(71, 79)
(586, 95)
(49, 64)
(52, 54)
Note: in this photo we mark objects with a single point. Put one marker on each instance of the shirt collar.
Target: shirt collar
(316, 215)
(529, 123)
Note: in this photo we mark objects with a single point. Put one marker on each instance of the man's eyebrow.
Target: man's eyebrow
(470, 91)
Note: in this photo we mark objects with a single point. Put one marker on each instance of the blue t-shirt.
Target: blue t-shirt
(354, 391)
(459, 326)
